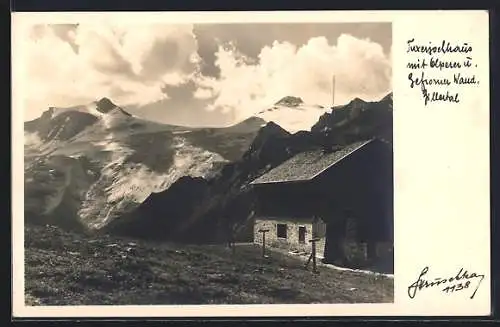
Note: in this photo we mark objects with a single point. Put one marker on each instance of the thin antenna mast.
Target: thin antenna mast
(333, 91)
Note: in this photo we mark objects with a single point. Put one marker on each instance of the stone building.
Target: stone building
(344, 196)
(292, 233)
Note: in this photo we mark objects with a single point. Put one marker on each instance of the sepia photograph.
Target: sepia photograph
(214, 163)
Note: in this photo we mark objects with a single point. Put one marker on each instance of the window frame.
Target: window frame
(285, 226)
(302, 227)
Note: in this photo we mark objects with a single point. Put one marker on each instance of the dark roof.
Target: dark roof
(300, 219)
(307, 165)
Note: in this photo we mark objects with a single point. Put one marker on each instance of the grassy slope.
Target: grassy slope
(71, 269)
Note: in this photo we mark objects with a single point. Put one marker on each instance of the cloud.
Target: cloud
(360, 66)
(74, 64)
(179, 74)
(202, 93)
(250, 38)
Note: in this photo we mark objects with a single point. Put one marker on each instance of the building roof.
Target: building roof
(307, 165)
(287, 219)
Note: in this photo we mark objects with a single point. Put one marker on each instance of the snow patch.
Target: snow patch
(32, 139)
(122, 184)
(92, 109)
(81, 108)
(293, 119)
(367, 272)
(305, 256)
(113, 118)
(119, 151)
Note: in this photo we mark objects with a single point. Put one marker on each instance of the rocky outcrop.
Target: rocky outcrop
(290, 101)
(357, 120)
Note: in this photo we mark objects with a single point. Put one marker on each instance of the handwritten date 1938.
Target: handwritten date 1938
(461, 281)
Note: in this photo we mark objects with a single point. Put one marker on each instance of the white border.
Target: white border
(410, 254)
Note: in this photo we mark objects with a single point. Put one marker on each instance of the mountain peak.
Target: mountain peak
(357, 101)
(271, 129)
(388, 97)
(105, 99)
(292, 114)
(290, 101)
(105, 105)
(254, 119)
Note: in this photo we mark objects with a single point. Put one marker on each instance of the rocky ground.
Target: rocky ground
(64, 268)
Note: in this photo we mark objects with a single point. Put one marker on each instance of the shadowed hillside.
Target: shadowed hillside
(224, 202)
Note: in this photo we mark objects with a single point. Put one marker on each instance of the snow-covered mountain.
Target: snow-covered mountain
(86, 165)
(293, 114)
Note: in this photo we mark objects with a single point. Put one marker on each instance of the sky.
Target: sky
(204, 74)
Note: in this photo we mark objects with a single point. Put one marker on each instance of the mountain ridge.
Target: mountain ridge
(130, 158)
(225, 200)
(125, 175)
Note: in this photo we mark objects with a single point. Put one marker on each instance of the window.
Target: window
(281, 230)
(302, 234)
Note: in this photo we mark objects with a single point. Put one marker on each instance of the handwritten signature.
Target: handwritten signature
(461, 281)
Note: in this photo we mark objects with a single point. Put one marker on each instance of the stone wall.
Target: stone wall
(355, 251)
(291, 243)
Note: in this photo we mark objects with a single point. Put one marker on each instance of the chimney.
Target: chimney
(333, 91)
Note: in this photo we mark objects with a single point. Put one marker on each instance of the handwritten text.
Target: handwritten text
(440, 70)
(459, 282)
